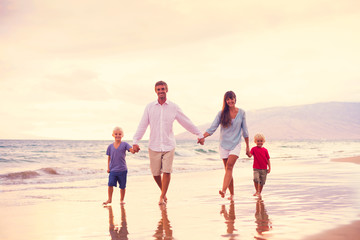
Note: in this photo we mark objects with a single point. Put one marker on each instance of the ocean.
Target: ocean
(304, 187)
(56, 164)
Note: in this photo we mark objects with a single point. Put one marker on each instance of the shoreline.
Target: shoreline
(355, 159)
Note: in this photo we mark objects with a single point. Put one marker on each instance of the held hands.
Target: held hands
(136, 148)
(201, 141)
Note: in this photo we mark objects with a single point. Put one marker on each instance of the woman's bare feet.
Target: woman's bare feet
(107, 202)
(231, 198)
(222, 194)
(162, 201)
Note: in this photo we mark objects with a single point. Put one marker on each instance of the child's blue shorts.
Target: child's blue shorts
(119, 177)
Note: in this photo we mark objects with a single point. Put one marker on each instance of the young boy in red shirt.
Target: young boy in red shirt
(261, 166)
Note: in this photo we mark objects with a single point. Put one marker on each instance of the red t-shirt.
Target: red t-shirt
(261, 157)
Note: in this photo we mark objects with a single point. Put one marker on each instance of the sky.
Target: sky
(76, 69)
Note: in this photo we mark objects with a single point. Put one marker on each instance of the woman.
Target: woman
(233, 125)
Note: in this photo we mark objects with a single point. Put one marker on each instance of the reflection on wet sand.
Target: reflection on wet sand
(117, 232)
(163, 230)
(229, 220)
(263, 223)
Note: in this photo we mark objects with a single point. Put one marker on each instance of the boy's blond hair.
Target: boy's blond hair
(118, 129)
(259, 136)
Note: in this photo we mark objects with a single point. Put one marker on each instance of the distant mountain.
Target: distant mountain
(322, 121)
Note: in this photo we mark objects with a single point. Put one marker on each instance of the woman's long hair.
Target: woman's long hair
(225, 119)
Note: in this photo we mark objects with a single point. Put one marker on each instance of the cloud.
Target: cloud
(87, 28)
(79, 85)
(84, 64)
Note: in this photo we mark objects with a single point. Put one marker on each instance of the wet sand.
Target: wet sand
(194, 211)
(346, 232)
(349, 159)
(192, 207)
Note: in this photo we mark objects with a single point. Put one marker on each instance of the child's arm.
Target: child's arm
(249, 154)
(108, 170)
(268, 163)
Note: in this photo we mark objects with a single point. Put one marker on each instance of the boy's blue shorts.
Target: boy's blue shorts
(119, 177)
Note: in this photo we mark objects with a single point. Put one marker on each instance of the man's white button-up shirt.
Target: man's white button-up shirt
(161, 118)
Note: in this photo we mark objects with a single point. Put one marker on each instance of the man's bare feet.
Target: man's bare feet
(122, 202)
(257, 194)
(231, 198)
(222, 194)
(107, 202)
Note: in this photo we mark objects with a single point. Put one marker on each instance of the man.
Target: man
(160, 115)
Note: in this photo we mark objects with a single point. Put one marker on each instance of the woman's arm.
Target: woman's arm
(247, 146)
(206, 134)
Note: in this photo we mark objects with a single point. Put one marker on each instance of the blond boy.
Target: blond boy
(117, 168)
(261, 165)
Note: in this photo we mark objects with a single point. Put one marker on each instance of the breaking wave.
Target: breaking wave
(29, 174)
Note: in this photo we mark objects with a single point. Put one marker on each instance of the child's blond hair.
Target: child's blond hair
(118, 129)
(259, 136)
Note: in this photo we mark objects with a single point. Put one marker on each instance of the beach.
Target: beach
(194, 211)
(300, 201)
(350, 231)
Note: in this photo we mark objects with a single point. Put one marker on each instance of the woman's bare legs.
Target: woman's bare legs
(228, 175)
(231, 185)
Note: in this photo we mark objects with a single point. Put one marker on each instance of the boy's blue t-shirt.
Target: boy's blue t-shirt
(117, 156)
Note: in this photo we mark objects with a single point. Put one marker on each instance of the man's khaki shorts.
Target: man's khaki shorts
(161, 162)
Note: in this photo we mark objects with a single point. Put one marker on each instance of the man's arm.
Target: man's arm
(187, 123)
(144, 123)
